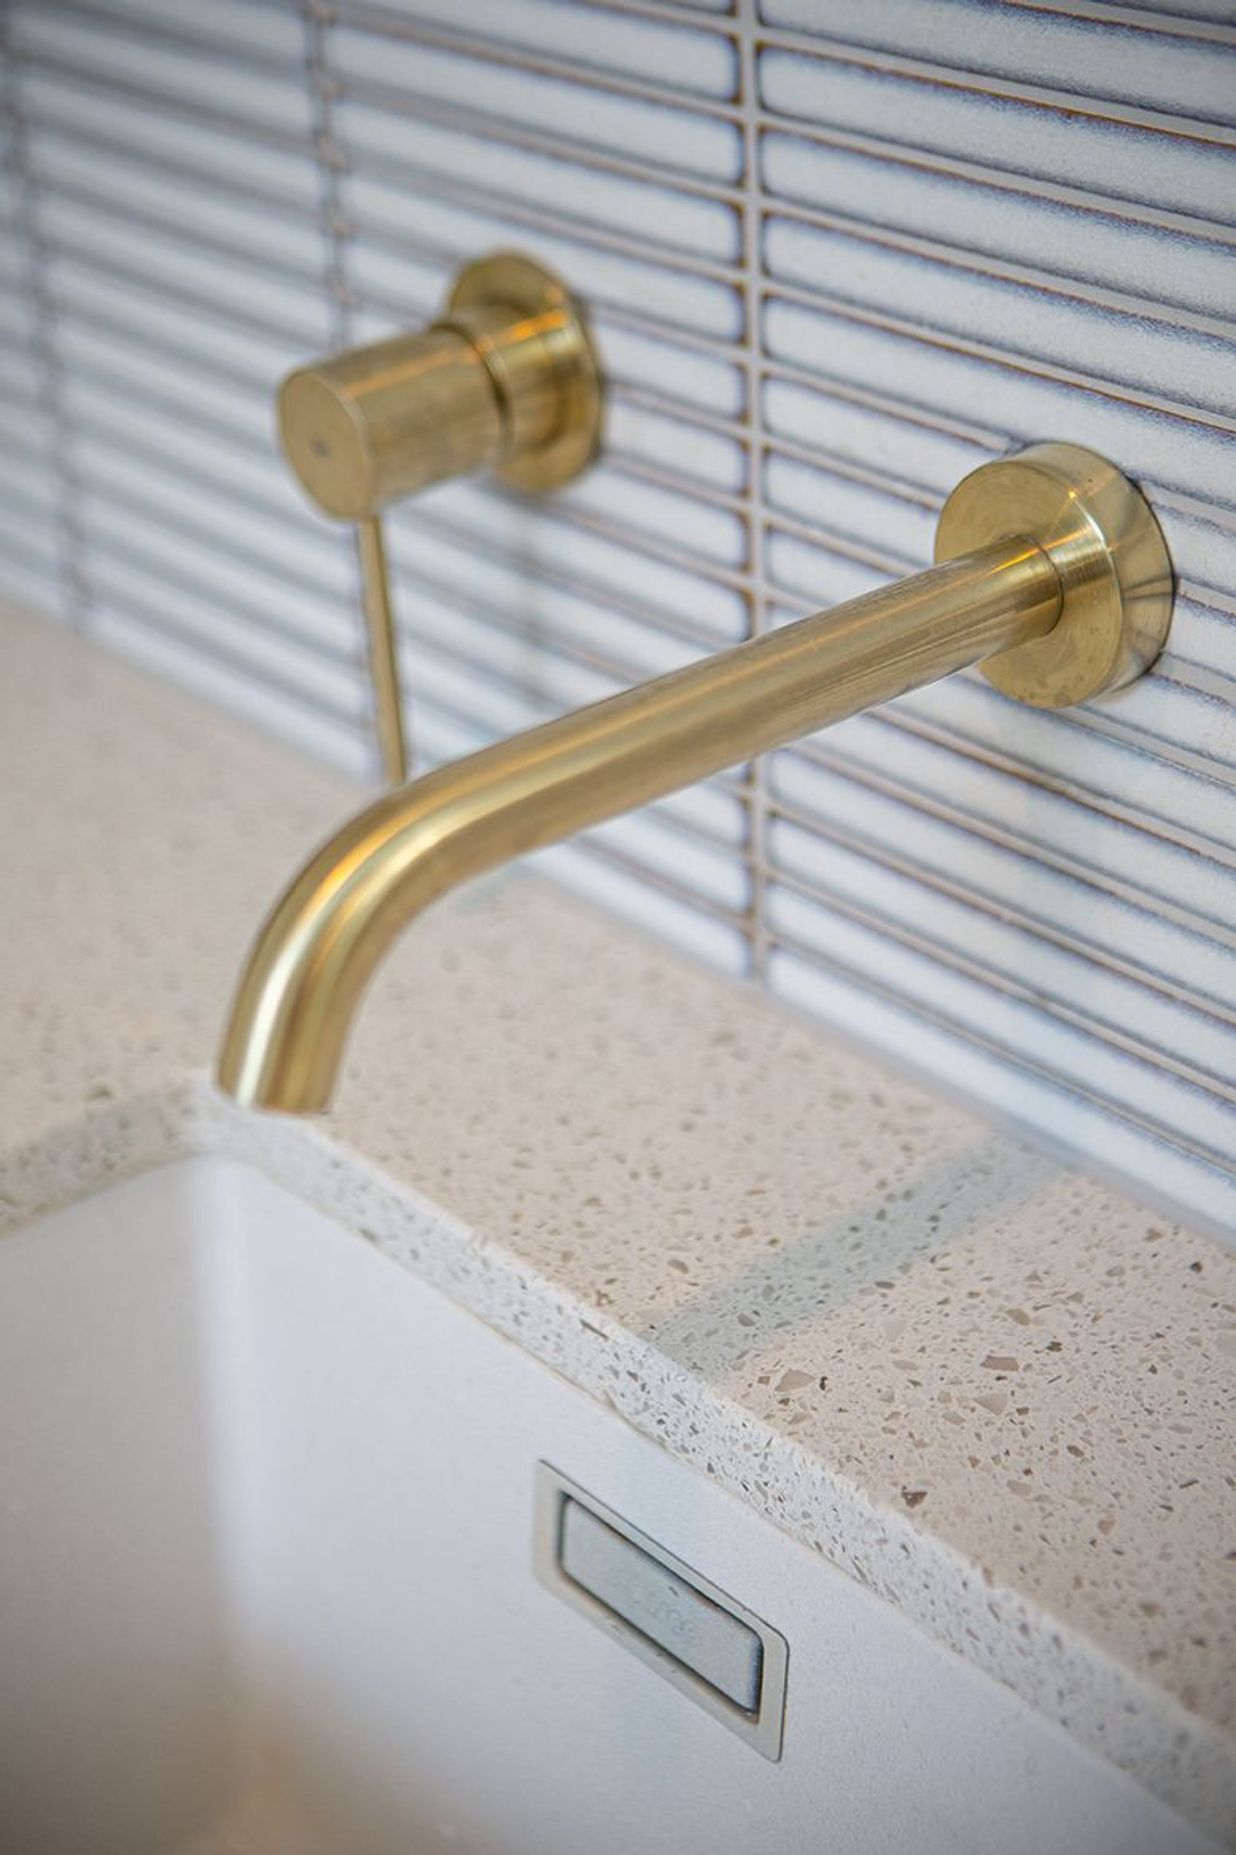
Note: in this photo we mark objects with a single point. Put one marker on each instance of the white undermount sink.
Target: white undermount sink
(266, 1583)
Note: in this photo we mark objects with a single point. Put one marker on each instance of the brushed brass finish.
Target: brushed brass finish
(505, 379)
(322, 944)
(543, 363)
(368, 428)
(383, 651)
(1107, 547)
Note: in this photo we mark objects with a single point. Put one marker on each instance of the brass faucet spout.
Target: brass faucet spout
(320, 947)
(1077, 604)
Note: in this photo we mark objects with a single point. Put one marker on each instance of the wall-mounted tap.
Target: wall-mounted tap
(505, 379)
(1053, 574)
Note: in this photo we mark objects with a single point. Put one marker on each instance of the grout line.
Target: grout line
(500, 132)
(970, 171)
(756, 778)
(999, 87)
(1000, 904)
(70, 548)
(385, 20)
(330, 162)
(994, 830)
(1000, 268)
(1007, 1054)
(953, 959)
(409, 177)
(1141, 18)
(178, 109)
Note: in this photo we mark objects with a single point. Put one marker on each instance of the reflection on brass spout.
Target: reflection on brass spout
(1060, 577)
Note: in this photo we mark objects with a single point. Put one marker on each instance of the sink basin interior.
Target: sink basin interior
(266, 1579)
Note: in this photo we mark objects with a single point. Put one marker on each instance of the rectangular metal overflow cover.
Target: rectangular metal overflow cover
(665, 1608)
(729, 1661)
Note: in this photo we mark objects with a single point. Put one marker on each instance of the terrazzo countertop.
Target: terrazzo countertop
(995, 1392)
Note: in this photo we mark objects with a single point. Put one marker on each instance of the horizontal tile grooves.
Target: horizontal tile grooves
(788, 295)
(830, 272)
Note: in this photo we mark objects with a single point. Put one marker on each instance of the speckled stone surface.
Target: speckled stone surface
(997, 1393)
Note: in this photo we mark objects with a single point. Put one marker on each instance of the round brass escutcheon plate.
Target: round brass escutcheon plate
(1100, 534)
(507, 279)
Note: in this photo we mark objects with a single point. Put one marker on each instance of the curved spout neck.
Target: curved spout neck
(325, 938)
(1077, 602)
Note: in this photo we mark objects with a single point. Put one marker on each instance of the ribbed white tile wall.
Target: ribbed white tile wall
(836, 256)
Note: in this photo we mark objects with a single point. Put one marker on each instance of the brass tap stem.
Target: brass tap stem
(383, 651)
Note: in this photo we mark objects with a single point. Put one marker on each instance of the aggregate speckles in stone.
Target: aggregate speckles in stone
(998, 1394)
